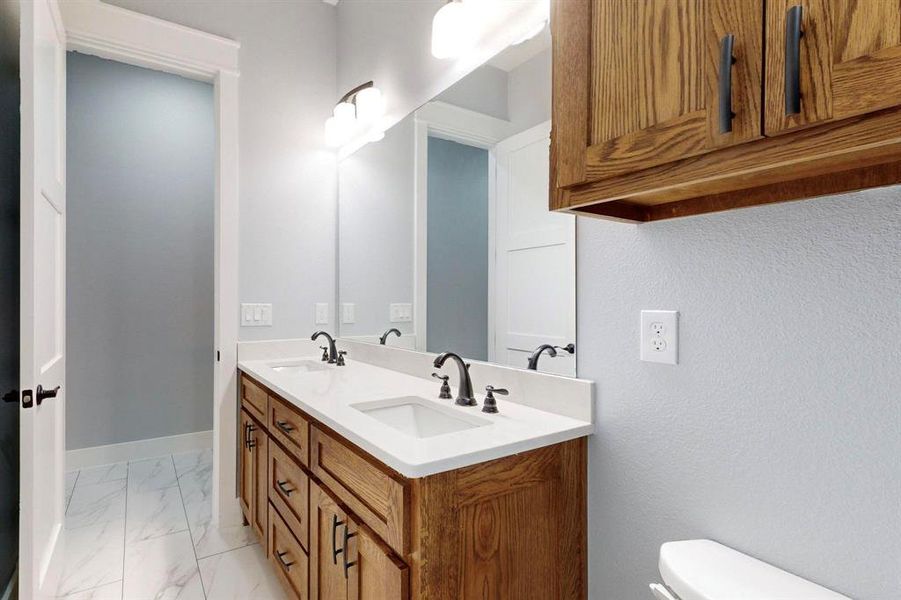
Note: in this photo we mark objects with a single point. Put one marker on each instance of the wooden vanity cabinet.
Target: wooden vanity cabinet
(640, 91)
(342, 525)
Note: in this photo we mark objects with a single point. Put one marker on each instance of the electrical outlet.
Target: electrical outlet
(256, 315)
(322, 313)
(400, 313)
(660, 336)
(347, 312)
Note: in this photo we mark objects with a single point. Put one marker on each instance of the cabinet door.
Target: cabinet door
(327, 520)
(849, 60)
(245, 466)
(260, 451)
(373, 571)
(637, 84)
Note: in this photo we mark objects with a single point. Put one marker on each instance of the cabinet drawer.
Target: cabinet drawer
(288, 556)
(254, 399)
(289, 492)
(290, 428)
(378, 497)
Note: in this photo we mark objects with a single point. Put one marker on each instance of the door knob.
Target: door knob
(41, 394)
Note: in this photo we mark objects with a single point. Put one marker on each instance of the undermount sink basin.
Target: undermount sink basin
(297, 366)
(418, 417)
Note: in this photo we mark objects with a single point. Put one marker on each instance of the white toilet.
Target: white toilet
(706, 570)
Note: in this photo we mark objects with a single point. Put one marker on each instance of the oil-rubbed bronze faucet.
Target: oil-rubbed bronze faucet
(464, 391)
(332, 350)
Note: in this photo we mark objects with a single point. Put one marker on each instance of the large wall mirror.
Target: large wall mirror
(444, 232)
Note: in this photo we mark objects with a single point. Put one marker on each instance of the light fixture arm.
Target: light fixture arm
(355, 91)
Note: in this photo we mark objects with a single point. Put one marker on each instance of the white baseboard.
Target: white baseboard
(137, 450)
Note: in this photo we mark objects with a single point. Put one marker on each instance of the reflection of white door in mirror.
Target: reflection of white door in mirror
(533, 298)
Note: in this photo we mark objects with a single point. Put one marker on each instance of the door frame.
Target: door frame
(449, 122)
(114, 33)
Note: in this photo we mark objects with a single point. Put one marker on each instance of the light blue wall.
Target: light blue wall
(140, 154)
(457, 249)
(779, 431)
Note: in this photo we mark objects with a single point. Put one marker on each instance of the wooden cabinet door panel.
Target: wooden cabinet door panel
(650, 82)
(850, 60)
(287, 556)
(245, 467)
(374, 572)
(327, 581)
(290, 428)
(260, 451)
(289, 492)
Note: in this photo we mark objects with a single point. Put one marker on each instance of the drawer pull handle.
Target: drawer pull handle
(793, 34)
(248, 442)
(727, 59)
(335, 550)
(284, 426)
(347, 565)
(281, 559)
(284, 488)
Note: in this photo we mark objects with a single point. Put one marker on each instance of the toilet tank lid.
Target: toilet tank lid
(706, 570)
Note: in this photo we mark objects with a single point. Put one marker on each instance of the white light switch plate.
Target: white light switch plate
(400, 313)
(348, 310)
(660, 336)
(256, 315)
(322, 313)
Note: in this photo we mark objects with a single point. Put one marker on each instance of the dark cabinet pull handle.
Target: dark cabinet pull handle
(41, 394)
(335, 550)
(347, 565)
(281, 559)
(727, 59)
(282, 485)
(793, 35)
(284, 426)
(248, 442)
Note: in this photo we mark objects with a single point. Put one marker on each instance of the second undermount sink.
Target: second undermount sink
(297, 366)
(418, 417)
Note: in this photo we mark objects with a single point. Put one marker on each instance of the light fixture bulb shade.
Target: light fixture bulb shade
(370, 105)
(451, 34)
(345, 113)
(333, 132)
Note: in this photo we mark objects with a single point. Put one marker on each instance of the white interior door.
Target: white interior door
(535, 258)
(43, 296)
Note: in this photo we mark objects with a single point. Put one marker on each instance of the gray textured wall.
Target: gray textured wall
(458, 249)
(779, 433)
(140, 153)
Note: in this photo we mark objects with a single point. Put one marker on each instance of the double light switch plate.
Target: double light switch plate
(660, 336)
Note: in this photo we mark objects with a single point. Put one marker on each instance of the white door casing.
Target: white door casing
(534, 277)
(43, 295)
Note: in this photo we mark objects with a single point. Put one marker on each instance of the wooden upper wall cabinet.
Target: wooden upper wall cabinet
(668, 108)
(849, 60)
(657, 98)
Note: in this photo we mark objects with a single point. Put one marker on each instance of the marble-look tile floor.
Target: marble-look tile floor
(142, 531)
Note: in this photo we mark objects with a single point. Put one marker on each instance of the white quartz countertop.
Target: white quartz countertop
(329, 395)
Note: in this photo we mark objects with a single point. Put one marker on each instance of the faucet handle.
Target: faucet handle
(324, 353)
(445, 393)
(490, 404)
(340, 362)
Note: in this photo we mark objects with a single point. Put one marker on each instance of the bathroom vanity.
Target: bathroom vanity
(362, 483)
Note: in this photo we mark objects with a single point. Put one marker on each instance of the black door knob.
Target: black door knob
(42, 394)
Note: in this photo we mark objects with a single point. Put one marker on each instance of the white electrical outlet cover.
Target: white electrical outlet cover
(322, 313)
(659, 341)
(348, 310)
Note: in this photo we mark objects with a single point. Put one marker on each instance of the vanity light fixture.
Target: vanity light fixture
(357, 115)
(460, 25)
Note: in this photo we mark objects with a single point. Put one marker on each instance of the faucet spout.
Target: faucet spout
(332, 349)
(384, 337)
(464, 391)
(533, 359)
